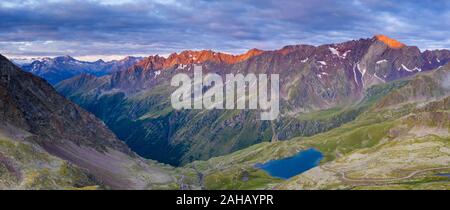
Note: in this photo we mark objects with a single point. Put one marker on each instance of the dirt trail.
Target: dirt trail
(345, 178)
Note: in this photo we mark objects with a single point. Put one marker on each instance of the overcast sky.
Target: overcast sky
(115, 28)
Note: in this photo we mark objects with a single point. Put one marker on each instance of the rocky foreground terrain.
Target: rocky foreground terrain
(48, 142)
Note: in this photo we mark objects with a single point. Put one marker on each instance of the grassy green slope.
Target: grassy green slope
(24, 165)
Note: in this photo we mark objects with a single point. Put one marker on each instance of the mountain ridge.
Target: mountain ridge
(312, 79)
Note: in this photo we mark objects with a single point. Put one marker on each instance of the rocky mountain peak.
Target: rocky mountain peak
(186, 57)
(392, 43)
(65, 58)
(100, 61)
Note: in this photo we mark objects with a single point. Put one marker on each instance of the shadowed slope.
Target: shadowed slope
(65, 130)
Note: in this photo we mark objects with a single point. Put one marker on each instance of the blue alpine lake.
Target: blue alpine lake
(292, 166)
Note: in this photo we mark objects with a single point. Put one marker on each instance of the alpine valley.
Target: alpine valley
(376, 109)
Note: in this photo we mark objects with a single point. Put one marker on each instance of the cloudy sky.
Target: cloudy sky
(114, 28)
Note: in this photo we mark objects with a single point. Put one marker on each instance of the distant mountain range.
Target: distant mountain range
(135, 102)
(60, 68)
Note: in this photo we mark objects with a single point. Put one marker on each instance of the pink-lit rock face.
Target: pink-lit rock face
(392, 43)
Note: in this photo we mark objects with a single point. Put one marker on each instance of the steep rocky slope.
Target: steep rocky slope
(48, 142)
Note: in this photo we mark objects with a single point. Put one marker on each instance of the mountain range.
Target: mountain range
(135, 104)
(60, 68)
(376, 109)
(48, 142)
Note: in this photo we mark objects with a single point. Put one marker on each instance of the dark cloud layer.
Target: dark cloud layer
(123, 27)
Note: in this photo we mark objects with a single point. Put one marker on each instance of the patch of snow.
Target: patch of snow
(334, 51)
(363, 71)
(406, 68)
(157, 73)
(322, 74)
(381, 61)
(411, 70)
(322, 63)
(181, 67)
(304, 60)
(437, 59)
(345, 53)
(354, 74)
